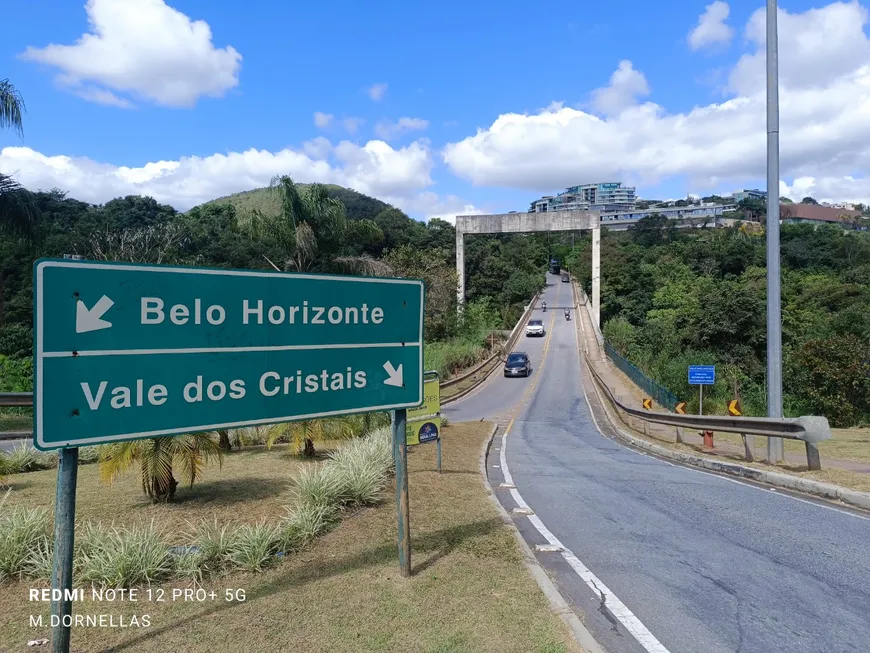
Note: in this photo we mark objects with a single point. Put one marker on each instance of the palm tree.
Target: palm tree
(17, 209)
(156, 457)
(302, 435)
(11, 107)
(313, 231)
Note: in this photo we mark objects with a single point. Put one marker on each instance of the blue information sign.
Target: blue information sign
(702, 374)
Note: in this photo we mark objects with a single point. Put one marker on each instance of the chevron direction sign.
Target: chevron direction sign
(125, 351)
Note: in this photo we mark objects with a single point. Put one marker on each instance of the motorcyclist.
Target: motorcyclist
(544, 304)
(567, 314)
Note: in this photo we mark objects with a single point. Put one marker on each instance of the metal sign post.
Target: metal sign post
(403, 517)
(64, 539)
(424, 422)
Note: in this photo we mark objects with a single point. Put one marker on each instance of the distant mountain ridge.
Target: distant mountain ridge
(359, 206)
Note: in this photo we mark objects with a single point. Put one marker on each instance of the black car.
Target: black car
(518, 364)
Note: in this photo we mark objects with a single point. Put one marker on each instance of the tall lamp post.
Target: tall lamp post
(774, 309)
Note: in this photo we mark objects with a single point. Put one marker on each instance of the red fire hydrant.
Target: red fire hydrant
(708, 439)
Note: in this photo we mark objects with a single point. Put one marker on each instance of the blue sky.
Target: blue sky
(454, 66)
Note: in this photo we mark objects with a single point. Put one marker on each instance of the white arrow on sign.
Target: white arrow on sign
(395, 375)
(90, 319)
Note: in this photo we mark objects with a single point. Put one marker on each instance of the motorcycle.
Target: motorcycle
(544, 306)
(567, 316)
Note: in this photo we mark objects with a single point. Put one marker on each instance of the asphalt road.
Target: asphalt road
(705, 564)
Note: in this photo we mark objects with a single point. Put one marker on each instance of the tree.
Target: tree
(16, 205)
(441, 282)
(157, 457)
(17, 210)
(302, 435)
(808, 200)
(313, 233)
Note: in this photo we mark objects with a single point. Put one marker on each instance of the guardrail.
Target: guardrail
(511, 341)
(15, 399)
(810, 429)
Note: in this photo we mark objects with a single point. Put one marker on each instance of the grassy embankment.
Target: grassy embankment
(470, 590)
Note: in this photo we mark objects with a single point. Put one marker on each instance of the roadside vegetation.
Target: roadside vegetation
(673, 297)
(470, 590)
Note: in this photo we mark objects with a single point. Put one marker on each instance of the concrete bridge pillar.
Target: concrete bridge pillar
(460, 267)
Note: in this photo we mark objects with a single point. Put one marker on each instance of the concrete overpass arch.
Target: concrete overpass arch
(504, 223)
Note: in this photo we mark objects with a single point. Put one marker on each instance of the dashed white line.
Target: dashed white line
(616, 607)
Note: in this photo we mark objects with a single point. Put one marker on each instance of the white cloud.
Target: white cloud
(815, 48)
(711, 28)
(398, 176)
(429, 205)
(390, 130)
(824, 124)
(144, 49)
(626, 85)
(376, 91)
(322, 120)
(828, 189)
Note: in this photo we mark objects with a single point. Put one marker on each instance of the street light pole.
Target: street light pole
(774, 309)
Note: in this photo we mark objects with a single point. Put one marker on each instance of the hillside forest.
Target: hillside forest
(286, 227)
(674, 297)
(670, 297)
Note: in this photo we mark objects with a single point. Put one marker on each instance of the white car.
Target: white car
(535, 328)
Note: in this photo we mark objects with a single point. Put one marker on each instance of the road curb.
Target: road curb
(777, 479)
(558, 603)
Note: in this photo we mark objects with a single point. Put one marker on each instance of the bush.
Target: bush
(303, 523)
(362, 468)
(114, 557)
(16, 374)
(449, 357)
(318, 485)
(16, 341)
(23, 459)
(22, 531)
(251, 546)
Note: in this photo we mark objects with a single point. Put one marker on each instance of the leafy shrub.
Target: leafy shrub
(16, 341)
(213, 541)
(251, 546)
(23, 459)
(16, 374)
(303, 523)
(362, 468)
(22, 530)
(318, 485)
(116, 557)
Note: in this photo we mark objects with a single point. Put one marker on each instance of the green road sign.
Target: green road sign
(128, 351)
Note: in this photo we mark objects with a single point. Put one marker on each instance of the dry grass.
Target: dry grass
(470, 591)
(230, 492)
(829, 474)
(845, 444)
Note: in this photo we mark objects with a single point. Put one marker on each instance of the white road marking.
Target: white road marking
(616, 607)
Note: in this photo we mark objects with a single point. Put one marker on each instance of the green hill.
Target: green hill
(359, 206)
